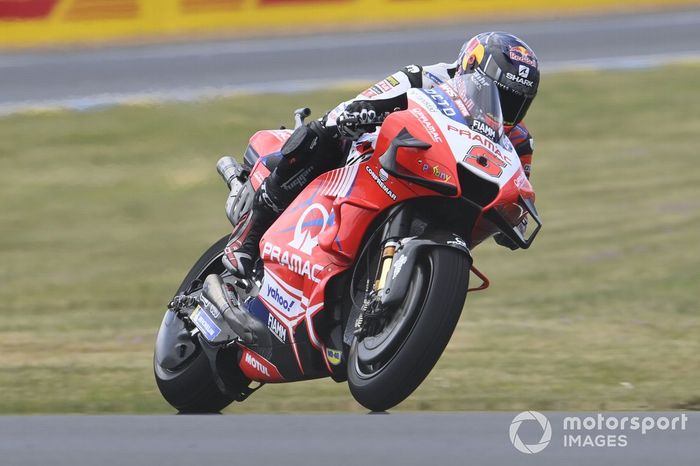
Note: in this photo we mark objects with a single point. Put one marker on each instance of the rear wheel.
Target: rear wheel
(385, 368)
(182, 369)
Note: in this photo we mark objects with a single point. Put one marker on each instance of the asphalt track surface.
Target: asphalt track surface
(82, 79)
(383, 439)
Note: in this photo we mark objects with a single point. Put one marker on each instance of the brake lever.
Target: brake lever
(299, 115)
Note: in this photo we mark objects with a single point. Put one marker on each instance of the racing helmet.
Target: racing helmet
(511, 63)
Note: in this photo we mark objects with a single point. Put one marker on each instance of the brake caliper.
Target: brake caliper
(370, 321)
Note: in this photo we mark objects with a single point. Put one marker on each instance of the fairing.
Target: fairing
(320, 234)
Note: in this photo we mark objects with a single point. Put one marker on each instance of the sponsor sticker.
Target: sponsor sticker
(473, 53)
(483, 128)
(369, 93)
(381, 183)
(427, 124)
(523, 71)
(310, 225)
(438, 170)
(383, 175)
(335, 356)
(398, 265)
(292, 261)
(461, 107)
(393, 81)
(440, 173)
(476, 138)
(518, 79)
(413, 69)
(256, 367)
(205, 324)
(277, 328)
(277, 298)
(384, 85)
(458, 242)
(478, 79)
(253, 362)
(521, 181)
(442, 102)
(433, 78)
(523, 55)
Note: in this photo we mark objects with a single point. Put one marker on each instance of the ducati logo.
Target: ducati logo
(309, 227)
(523, 71)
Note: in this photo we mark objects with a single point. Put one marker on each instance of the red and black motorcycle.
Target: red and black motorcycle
(364, 276)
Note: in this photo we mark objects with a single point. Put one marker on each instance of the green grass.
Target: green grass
(102, 213)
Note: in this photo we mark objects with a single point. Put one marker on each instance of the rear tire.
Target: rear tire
(190, 387)
(444, 273)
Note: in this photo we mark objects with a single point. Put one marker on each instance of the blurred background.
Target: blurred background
(113, 114)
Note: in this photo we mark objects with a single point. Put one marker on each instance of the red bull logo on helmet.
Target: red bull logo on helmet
(523, 55)
(473, 54)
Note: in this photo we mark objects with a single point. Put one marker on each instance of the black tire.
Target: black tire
(441, 279)
(191, 387)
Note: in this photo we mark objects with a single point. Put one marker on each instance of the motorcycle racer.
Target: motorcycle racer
(321, 145)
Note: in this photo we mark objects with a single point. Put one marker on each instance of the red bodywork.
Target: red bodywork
(320, 234)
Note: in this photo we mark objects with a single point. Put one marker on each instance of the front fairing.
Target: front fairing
(459, 153)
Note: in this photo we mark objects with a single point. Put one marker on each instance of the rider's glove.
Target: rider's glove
(359, 117)
(503, 240)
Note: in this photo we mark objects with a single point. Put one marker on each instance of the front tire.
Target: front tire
(189, 384)
(433, 305)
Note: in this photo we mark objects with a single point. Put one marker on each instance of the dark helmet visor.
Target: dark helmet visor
(513, 105)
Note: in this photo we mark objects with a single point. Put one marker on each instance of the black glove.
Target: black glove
(359, 117)
(503, 240)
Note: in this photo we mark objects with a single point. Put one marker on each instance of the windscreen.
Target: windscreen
(482, 107)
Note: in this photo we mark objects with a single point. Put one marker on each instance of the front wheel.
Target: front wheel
(404, 352)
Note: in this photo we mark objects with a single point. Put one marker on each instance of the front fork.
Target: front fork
(398, 226)
(388, 252)
(386, 292)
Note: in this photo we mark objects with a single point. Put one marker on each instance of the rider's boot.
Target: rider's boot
(265, 210)
(311, 150)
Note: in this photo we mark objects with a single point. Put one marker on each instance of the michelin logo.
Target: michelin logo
(205, 324)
